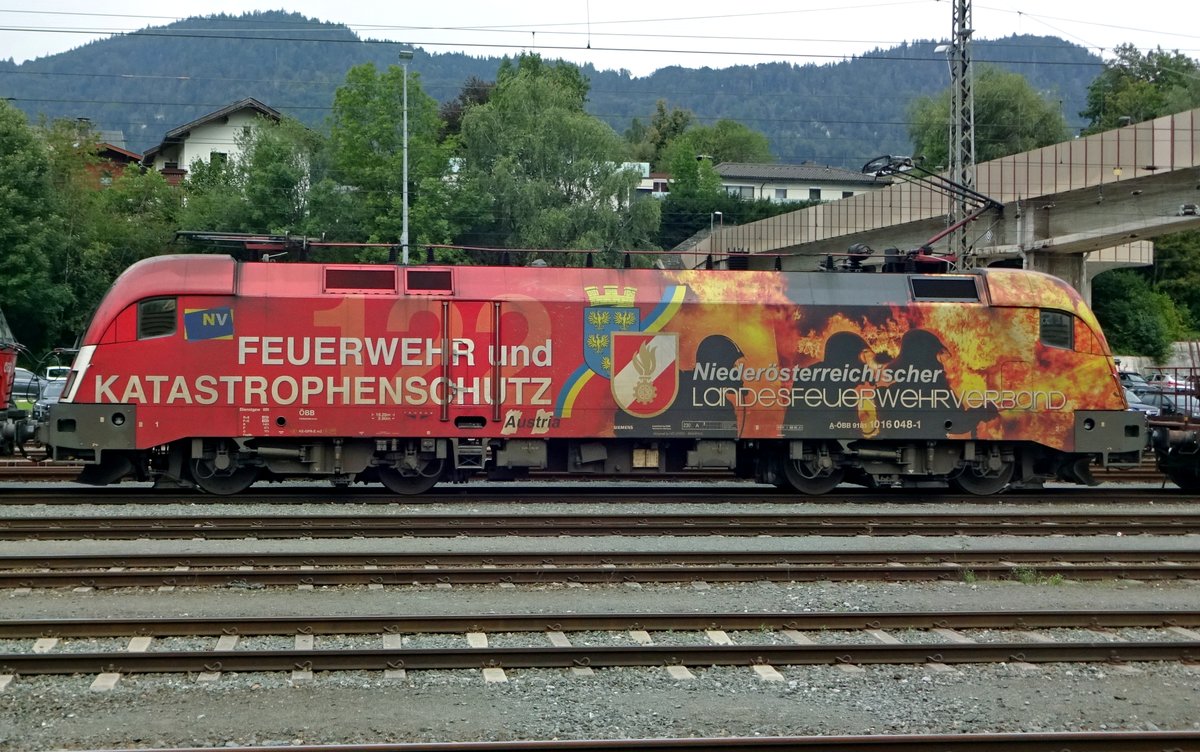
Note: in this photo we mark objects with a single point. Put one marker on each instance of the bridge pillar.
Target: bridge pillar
(1070, 267)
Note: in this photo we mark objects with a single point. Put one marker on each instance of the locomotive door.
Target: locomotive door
(498, 371)
(471, 374)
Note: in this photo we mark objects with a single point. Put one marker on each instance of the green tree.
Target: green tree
(649, 141)
(693, 176)
(106, 227)
(277, 162)
(726, 141)
(1177, 270)
(696, 193)
(365, 184)
(1010, 117)
(543, 172)
(139, 214)
(691, 157)
(216, 200)
(71, 148)
(1141, 87)
(564, 77)
(30, 235)
(1136, 318)
(686, 215)
(474, 91)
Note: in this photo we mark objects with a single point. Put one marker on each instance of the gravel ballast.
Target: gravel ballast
(46, 713)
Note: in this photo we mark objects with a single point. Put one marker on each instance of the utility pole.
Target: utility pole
(406, 55)
(962, 127)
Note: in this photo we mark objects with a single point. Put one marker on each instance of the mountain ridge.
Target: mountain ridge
(839, 114)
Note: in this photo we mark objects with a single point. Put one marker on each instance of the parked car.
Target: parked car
(1158, 378)
(1136, 403)
(27, 385)
(1134, 380)
(57, 373)
(53, 390)
(1170, 384)
(1171, 404)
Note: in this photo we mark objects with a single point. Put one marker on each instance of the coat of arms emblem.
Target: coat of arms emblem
(645, 378)
(611, 311)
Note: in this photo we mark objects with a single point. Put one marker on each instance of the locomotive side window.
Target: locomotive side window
(357, 279)
(944, 288)
(156, 318)
(428, 281)
(1057, 329)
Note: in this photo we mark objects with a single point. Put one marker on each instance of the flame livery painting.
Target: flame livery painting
(210, 372)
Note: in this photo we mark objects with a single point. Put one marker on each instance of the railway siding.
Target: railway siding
(1042, 649)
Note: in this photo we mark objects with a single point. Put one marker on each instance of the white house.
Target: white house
(652, 183)
(214, 136)
(794, 182)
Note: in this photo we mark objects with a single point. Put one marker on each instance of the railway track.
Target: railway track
(379, 569)
(1099, 741)
(699, 524)
(100, 652)
(761, 642)
(1179, 622)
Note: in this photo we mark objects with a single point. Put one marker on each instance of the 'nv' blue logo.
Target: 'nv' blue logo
(208, 323)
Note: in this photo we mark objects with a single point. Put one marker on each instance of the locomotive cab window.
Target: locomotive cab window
(1057, 329)
(156, 318)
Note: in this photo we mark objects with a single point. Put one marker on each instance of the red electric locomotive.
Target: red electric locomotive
(209, 372)
(15, 425)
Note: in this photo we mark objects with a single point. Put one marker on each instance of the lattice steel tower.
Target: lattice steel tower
(962, 127)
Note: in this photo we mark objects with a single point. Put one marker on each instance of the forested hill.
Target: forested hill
(150, 81)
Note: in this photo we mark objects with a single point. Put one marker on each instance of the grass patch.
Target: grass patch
(1030, 576)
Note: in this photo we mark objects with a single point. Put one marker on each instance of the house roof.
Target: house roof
(795, 173)
(176, 135)
(112, 138)
(111, 151)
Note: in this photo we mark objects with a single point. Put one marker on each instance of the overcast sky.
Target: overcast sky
(638, 36)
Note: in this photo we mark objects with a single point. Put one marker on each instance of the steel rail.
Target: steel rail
(595, 492)
(612, 573)
(1181, 558)
(597, 622)
(378, 659)
(1086, 522)
(1074, 741)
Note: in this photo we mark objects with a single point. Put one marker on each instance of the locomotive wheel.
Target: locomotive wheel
(972, 482)
(409, 482)
(809, 479)
(222, 482)
(1187, 478)
(1179, 464)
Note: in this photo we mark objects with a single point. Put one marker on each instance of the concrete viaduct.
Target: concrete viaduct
(1073, 209)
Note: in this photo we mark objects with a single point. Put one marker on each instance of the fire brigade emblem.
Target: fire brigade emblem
(645, 378)
(610, 312)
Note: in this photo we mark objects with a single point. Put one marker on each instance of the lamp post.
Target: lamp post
(712, 217)
(406, 54)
